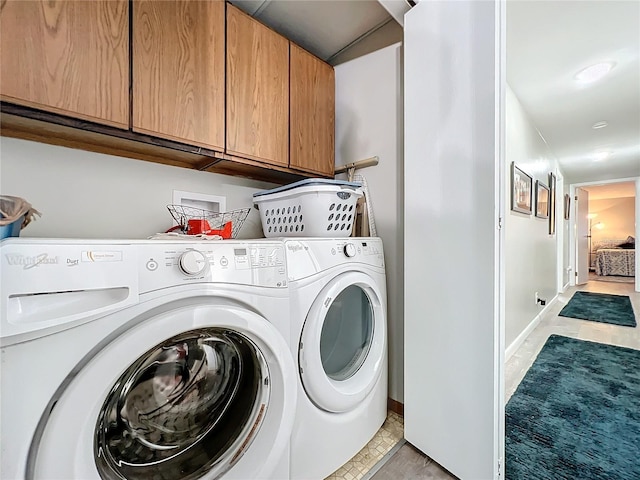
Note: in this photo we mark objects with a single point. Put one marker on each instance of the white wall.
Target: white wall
(566, 237)
(91, 195)
(530, 252)
(617, 216)
(369, 122)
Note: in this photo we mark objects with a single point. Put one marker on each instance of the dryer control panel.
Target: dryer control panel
(307, 256)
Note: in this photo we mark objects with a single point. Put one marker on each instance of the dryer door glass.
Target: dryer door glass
(187, 406)
(346, 333)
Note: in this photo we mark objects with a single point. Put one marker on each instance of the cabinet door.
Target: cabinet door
(257, 90)
(67, 57)
(178, 71)
(312, 113)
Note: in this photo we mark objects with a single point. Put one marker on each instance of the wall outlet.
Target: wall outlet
(537, 298)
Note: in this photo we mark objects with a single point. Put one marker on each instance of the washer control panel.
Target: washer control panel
(259, 263)
(349, 250)
(193, 263)
(95, 275)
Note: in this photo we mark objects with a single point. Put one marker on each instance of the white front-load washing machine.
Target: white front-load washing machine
(339, 341)
(145, 359)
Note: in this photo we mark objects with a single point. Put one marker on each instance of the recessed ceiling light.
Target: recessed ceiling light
(598, 125)
(600, 156)
(594, 72)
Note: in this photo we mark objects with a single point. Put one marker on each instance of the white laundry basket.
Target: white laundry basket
(309, 208)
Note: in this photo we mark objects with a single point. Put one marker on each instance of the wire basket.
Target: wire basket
(194, 221)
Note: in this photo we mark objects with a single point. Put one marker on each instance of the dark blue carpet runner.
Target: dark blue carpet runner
(576, 414)
(600, 307)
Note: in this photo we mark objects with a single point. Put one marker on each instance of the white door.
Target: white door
(583, 240)
(343, 341)
(454, 89)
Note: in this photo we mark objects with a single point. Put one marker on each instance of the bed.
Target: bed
(616, 261)
(614, 256)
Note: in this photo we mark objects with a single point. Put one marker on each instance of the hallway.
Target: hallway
(516, 367)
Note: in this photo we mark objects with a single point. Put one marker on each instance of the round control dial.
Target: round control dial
(350, 250)
(193, 262)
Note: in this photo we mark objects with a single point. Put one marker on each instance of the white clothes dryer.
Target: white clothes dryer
(145, 359)
(339, 341)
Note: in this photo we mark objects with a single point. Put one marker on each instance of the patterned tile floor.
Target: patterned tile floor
(610, 278)
(391, 432)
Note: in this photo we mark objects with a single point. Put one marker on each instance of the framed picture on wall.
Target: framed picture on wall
(567, 205)
(552, 204)
(542, 200)
(521, 190)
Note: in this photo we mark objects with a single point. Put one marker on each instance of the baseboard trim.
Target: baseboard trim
(395, 406)
(511, 349)
(566, 285)
(381, 463)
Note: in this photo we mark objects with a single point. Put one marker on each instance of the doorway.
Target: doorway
(611, 221)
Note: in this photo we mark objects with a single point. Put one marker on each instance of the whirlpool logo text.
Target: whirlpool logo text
(31, 262)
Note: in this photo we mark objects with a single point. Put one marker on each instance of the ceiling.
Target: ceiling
(323, 27)
(548, 43)
(612, 190)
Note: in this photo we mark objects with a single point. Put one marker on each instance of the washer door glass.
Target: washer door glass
(176, 412)
(346, 333)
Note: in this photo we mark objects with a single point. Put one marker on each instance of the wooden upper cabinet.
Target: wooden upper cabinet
(312, 104)
(257, 90)
(178, 70)
(67, 57)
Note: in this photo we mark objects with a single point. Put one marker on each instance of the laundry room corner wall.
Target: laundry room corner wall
(92, 195)
(530, 251)
(369, 122)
